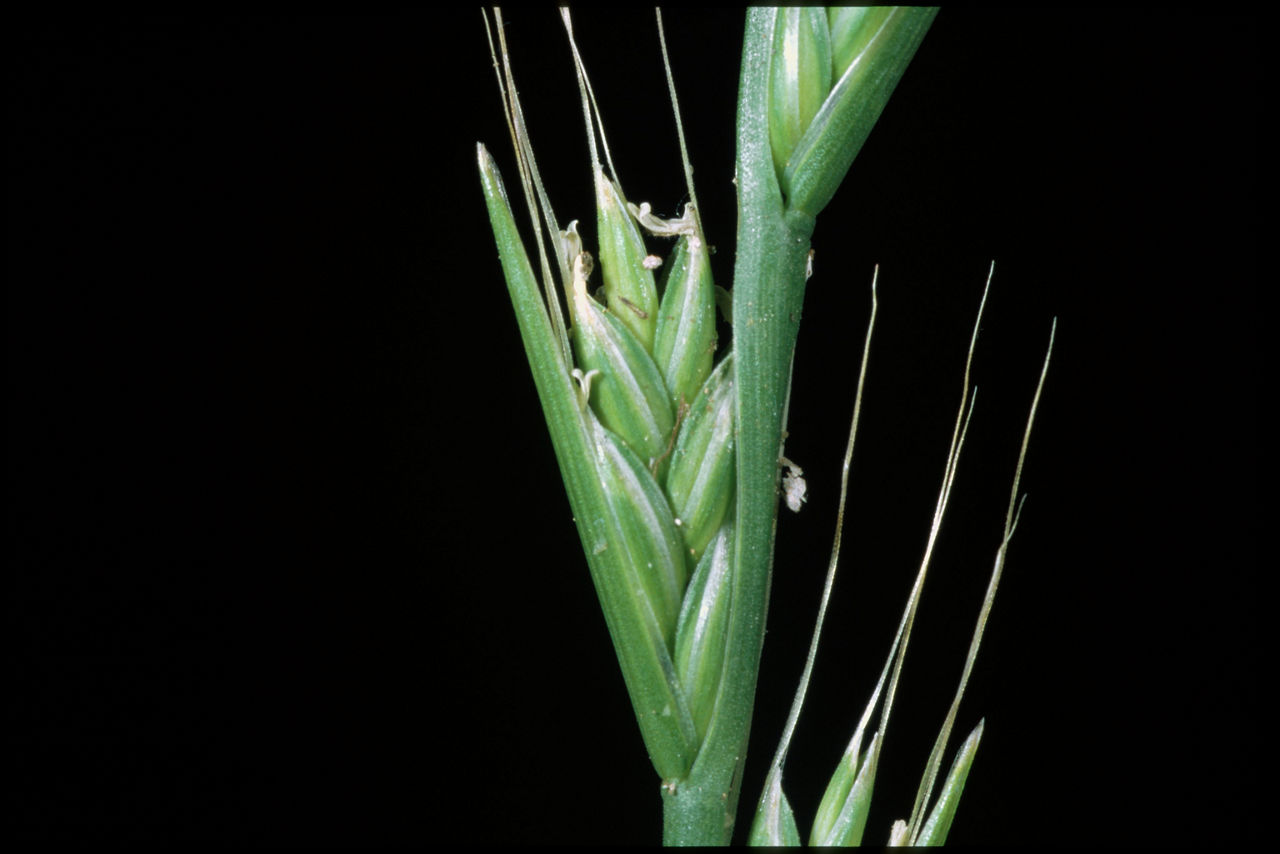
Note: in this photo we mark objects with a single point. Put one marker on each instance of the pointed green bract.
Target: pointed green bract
(842, 814)
(851, 28)
(800, 77)
(936, 828)
(629, 288)
(700, 632)
(628, 392)
(700, 480)
(775, 822)
(836, 792)
(685, 340)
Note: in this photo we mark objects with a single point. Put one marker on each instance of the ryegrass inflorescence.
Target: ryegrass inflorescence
(669, 442)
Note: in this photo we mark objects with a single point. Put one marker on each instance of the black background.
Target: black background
(289, 559)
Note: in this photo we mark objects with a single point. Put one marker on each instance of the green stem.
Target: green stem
(768, 289)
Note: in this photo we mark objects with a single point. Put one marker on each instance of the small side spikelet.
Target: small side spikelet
(701, 630)
(629, 395)
(648, 529)
(685, 340)
(700, 482)
(800, 77)
(831, 74)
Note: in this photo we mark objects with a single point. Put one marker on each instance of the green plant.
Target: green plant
(670, 447)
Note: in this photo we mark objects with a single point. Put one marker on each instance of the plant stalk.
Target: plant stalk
(768, 289)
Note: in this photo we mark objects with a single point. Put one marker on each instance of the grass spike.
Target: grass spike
(892, 670)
